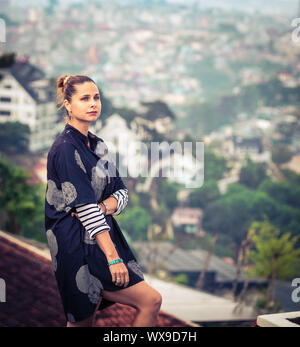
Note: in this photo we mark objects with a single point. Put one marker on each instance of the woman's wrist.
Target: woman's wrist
(103, 208)
(109, 205)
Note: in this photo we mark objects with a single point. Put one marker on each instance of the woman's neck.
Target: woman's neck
(82, 127)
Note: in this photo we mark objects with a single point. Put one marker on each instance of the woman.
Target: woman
(94, 266)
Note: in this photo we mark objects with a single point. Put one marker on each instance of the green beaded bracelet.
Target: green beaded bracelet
(120, 260)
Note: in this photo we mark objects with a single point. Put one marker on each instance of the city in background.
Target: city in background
(225, 73)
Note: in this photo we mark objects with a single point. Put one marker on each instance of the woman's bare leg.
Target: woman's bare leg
(145, 299)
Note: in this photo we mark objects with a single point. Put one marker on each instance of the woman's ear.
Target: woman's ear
(67, 105)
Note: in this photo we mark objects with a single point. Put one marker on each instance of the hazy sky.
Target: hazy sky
(285, 7)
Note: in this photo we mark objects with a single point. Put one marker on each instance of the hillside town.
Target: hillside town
(230, 83)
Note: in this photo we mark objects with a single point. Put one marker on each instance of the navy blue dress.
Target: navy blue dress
(78, 174)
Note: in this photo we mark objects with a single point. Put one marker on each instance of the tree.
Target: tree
(252, 174)
(14, 137)
(21, 203)
(201, 197)
(135, 221)
(200, 281)
(7, 60)
(230, 215)
(167, 194)
(274, 256)
(281, 154)
(214, 165)
(284, 192)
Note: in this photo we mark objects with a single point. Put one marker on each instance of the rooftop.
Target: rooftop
(32, 297)
(32, 79)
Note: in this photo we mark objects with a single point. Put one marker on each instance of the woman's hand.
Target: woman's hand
(74, 214)
(119, 271)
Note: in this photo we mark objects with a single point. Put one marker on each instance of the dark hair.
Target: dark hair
(66, 88)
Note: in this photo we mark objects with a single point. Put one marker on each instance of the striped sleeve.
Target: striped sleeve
(92, 218)
(122, 197)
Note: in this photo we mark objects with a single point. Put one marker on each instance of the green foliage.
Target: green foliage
(231, 215)
(134, 200)
(144, 200)
(284, 192)
(281, 154)
(274, 253)
(22, 204)
(264, 303)
(181, 279)
(157, 109)
(215, 166)
(135, 222)
(167, 193)
(14, 137)
(252, 174)
(208, 193)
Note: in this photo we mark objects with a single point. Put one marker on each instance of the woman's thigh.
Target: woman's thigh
(139, 296)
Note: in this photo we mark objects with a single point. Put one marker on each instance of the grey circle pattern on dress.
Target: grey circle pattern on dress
(101, 149)
(135, 267)
(69, 192)
(53, 247)
(54, 196)
(79, 161)
(98, 180)
(88, 284)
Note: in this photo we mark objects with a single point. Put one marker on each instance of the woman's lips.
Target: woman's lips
(93, 112)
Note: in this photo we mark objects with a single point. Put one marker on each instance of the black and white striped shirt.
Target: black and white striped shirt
(93, 219)
(122, 197)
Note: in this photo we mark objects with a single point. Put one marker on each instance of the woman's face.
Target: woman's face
(86, 99)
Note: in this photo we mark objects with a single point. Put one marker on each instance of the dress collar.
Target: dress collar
(78, 134)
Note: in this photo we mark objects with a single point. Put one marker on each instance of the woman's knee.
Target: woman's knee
(152, 302)
(139, 296)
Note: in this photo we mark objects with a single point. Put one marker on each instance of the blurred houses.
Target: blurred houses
(188, 220)
(171, 261)
(131, 141)
(26, 96)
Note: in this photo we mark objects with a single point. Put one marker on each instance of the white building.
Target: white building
(26, 96)
(121, 139)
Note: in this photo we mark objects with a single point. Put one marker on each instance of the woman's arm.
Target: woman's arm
(95, 224)
(116, 203)
(111, 203)
(105, 243)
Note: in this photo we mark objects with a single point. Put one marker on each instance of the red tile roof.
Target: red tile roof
(32, 297)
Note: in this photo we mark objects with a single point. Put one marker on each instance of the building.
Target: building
(244, 145)
(189, 219)
(172, 260)
(26, 96)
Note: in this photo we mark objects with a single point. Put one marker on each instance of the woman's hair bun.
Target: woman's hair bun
(62, 81)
